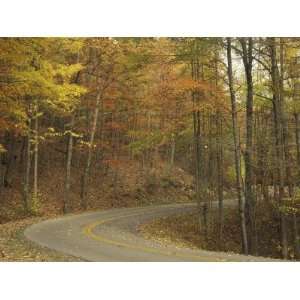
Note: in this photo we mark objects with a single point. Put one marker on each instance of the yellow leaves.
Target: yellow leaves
(64, 97)
(39, 69)
(51, 132)
(67, 71)
(74, 134)
(71, 45)
(2, 149)
(84, 144)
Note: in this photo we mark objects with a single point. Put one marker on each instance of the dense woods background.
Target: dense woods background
(108, 122)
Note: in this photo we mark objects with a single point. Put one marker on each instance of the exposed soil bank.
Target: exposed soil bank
(184, 231)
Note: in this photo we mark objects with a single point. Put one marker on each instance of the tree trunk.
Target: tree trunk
(278, 123)
(296, 236)
(237, 157)
(287, 155)
(10, 158)
(219, 142)
(173, 145)
(66, 205)
(220, 176)
(247, 56)
(36, 153)
(202, 205)
(27, 170)
(85, 178)
(297, 137)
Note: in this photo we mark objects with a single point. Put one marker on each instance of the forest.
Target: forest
(101, 123)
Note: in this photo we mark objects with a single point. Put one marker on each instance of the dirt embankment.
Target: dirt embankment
(184, 231)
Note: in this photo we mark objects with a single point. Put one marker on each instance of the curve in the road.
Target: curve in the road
(112, 235)
(89, 231)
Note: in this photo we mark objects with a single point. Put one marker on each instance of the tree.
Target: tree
(235, 132)
(247, 56)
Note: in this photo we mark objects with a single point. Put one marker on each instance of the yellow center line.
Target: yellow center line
(89, 231)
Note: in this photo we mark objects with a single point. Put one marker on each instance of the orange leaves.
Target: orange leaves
(109, 104)
(112, 163)
(187, 84)
(115, 126)
(4, 125)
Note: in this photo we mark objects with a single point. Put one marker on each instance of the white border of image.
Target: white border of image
(149, 18)
(161, 281)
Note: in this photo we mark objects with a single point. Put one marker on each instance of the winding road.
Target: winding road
(112, 235)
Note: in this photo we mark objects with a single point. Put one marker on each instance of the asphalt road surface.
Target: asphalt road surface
(112, 235)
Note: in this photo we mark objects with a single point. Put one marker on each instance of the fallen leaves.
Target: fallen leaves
(183, 231)
(14, 246)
